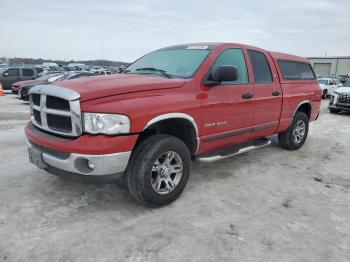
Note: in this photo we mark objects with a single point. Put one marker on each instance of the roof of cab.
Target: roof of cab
(274, 55)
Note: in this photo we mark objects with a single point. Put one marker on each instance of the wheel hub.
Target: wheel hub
(166, 172)
(299, 132)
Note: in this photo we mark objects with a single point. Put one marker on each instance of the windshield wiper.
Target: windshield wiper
(163, 72)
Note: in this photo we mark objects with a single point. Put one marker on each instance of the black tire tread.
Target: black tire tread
(285, 138)
(137, 164)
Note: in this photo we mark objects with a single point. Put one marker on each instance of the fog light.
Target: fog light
(91, 165)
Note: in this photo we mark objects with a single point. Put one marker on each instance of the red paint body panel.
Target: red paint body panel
(18, 85)
(85, 144)
(143, 98)
(108, 85)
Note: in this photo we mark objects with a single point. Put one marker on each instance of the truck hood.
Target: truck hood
(28, 82)
(109, 85)
(343, 89)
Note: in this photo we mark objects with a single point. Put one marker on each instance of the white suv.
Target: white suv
(328, 85)
(340, 100)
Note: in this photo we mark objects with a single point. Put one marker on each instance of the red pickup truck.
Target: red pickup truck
(206, 100)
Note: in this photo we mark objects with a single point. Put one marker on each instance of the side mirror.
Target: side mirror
(223, 73)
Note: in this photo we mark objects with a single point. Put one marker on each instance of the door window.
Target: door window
(27, 72)
(233, 57)
(261, 68)
(12, 72)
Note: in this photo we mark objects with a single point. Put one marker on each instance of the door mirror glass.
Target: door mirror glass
(226, 73)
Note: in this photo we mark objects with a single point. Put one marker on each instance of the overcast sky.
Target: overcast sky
(128, 29)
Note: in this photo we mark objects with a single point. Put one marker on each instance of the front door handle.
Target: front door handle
(247, 96)
(276, 93)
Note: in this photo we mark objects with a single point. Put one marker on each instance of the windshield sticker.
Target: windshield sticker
(199, 47)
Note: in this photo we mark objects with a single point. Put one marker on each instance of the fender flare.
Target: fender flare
(173, 116)
(300, 104)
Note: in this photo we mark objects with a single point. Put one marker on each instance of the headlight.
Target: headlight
(109, 124)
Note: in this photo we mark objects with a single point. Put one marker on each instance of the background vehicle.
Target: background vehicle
(50, 78)
(340, 99)
(74, 75)
(207, 100)
(12, 75)
(42, 79)
(328, 85)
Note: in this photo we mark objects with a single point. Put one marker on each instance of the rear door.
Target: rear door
(267, 94)
(28, 74)
(227, 115)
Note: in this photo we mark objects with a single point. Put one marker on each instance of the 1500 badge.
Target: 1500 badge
(223, 123)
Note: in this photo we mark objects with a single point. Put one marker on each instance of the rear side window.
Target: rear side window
(27, 72)
(233, 57)
(261, 68)
(296, 70)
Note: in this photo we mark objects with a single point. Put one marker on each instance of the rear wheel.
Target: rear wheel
(294, 137)
(158, 170)
(324, 94)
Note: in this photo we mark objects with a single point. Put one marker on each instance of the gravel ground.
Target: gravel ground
(265, 205)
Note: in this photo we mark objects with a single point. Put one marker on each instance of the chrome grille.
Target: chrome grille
(56, 110)
(344, 99)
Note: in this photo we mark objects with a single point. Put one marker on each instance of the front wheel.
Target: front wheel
(158, 170)
(294, 137)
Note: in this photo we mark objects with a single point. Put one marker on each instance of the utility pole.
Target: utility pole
(102, 49)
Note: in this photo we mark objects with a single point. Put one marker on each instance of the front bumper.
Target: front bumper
(87, 155)
(109, 164)
(334, 104)
(345, 107)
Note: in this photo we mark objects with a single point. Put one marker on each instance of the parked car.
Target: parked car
(207, 101)
(102, 72)
(11, 75)
(54, 77)
(340, 99)
(328, 85)
(45, 78)
(75, 75)
(45, 72)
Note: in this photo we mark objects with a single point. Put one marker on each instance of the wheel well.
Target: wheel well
(305, 108)
(177, 127)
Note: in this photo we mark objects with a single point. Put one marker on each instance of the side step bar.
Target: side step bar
(233, 151)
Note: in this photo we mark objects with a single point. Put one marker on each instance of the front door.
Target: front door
(9, 77)
(227, 108)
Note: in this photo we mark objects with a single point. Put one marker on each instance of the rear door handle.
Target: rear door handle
(247, 96)
(276, 93)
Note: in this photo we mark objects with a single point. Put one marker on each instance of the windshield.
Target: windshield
(54, 78)
(46, 77)
(182, 62)
(64, 77)
(322, 81)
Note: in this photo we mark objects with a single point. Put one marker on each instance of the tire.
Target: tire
(288, 140)
(324, 94)
(148, 174)
(334, 111)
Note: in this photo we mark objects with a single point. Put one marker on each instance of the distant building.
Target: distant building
(335, 65)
